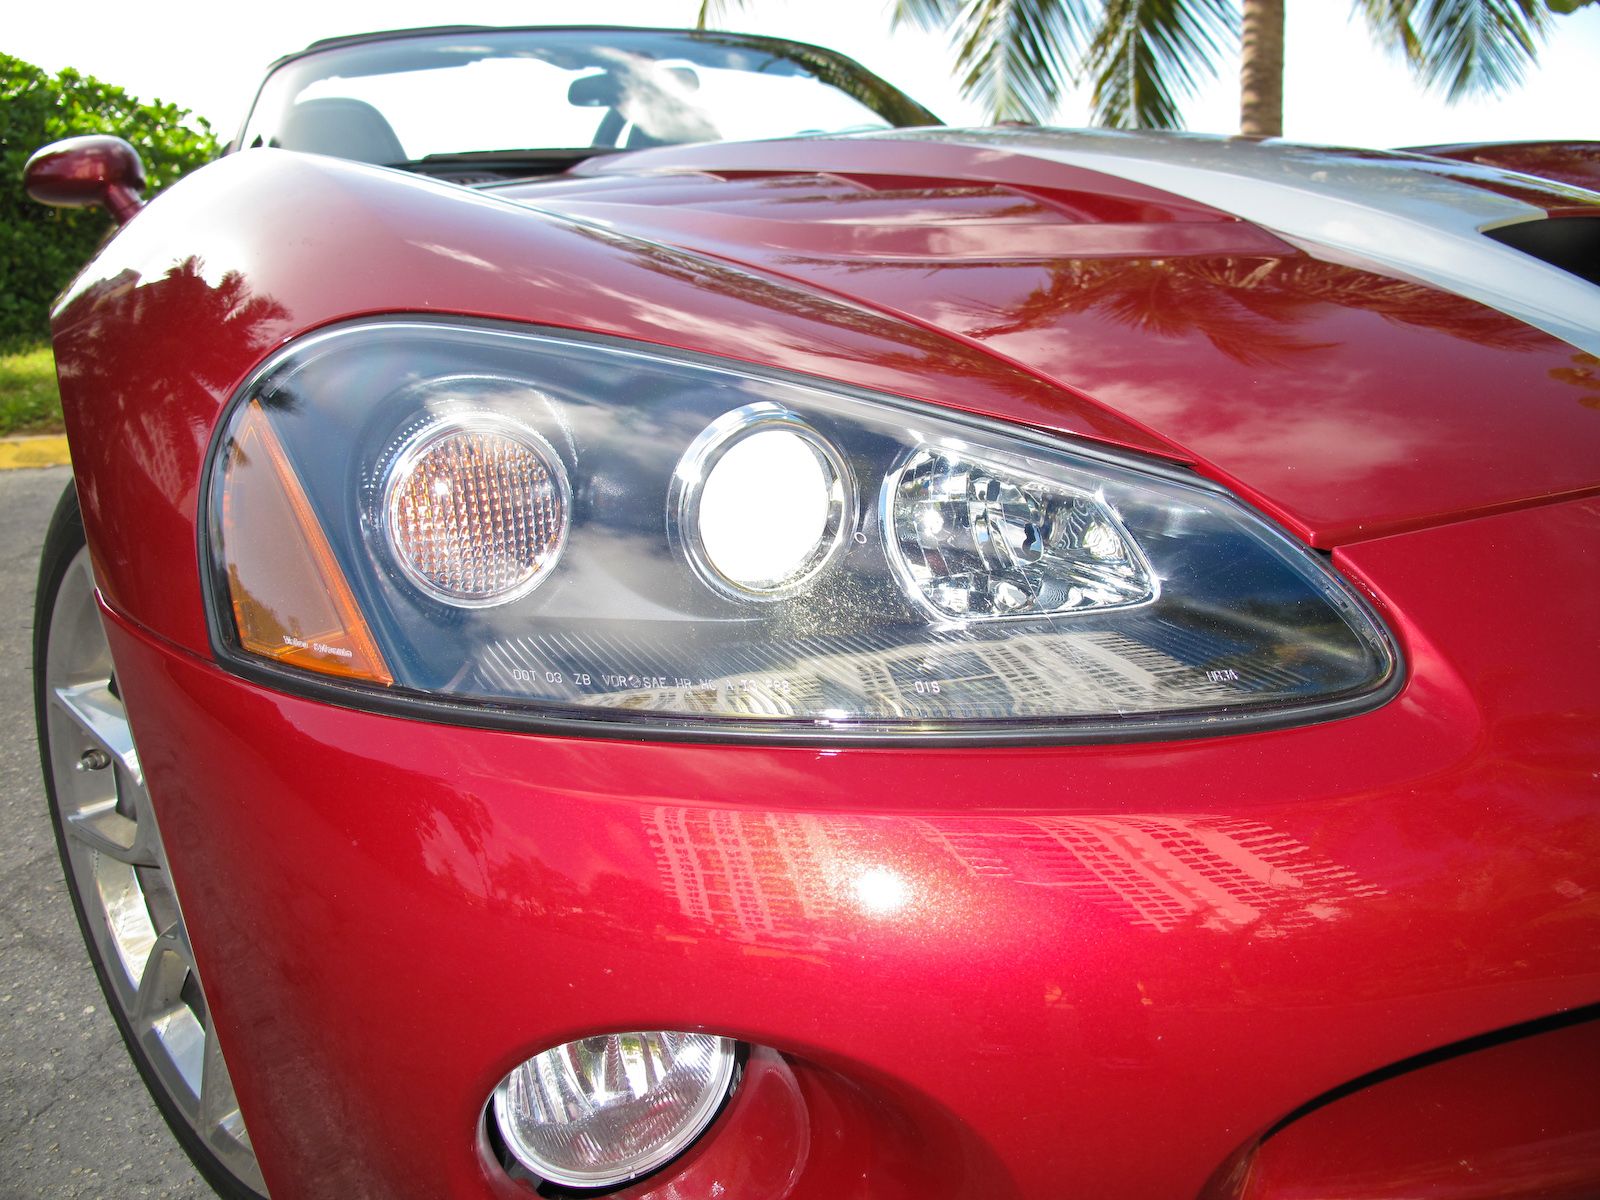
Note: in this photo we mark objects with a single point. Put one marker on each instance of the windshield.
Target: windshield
(406, 98)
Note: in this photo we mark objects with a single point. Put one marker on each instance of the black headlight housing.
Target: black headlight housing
(507, 525)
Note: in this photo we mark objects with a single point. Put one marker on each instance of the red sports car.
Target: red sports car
(691, 633)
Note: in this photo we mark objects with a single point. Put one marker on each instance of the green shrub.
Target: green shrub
(42, 248)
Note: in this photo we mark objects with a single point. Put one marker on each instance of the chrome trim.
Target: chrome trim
(700, 459)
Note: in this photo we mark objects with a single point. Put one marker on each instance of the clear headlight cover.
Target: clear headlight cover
(593, 533)
(603, 1110)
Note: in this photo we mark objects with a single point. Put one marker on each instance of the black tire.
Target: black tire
(63, 545)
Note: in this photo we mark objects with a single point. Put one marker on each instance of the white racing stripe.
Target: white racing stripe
(1390, 212)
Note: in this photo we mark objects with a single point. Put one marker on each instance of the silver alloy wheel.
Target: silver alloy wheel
(119, 872)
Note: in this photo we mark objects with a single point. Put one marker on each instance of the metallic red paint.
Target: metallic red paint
(83, 171)
(1102, 969)
(323, 245)
(1573, 163)
(1446, 1132)
(1026, 972)
(1347, 404)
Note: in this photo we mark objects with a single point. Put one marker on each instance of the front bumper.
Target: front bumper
(1020, 972)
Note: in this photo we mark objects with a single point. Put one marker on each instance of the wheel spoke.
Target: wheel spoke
(101, 717)
(106, 826)
(118, 869)
(219, 1107)
(102, 828)
(161, 981)
(219, 1119)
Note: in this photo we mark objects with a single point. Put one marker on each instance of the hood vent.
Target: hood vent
(1571, 243)
(898, 217)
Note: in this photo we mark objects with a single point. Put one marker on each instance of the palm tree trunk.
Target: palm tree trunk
(1261, 69)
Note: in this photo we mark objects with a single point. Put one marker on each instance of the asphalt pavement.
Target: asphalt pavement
(75, 1120)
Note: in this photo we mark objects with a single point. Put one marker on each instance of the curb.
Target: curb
(47, 451)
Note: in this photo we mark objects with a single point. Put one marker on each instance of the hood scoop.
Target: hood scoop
(898, 217)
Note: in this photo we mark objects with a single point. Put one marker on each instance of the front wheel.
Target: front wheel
(116, 868)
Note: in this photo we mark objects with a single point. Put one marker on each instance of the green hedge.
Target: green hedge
(42, 248)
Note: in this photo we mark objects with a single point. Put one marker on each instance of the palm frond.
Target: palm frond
(1477, 46)
(1390, 22)
(1018, 57)
(1148, 54)
(712, 12)
(926, 14)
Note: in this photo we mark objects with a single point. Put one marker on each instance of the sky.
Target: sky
(1339, 89)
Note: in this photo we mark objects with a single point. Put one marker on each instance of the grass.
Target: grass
(29, 402)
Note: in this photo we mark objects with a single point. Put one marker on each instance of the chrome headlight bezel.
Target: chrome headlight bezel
(900, 562)
(400, 699)
(694, 469)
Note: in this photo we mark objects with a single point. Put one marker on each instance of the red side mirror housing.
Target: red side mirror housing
(83, 171)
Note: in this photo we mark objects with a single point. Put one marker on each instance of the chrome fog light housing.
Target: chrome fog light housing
(600, 1111)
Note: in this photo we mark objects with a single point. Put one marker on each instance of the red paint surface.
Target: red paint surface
(1574, 163)
(151, 342)
(1348, 404)
(1093, 949)
(1446, 1131)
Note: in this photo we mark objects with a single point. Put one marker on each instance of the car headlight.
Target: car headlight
(529, 526)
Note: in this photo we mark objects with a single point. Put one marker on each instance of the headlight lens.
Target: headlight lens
(578, 531)
(604, 1110)
(475, 509)
(976, 539)
(761, 502)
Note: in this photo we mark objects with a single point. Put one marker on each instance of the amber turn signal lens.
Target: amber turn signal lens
(290, 599)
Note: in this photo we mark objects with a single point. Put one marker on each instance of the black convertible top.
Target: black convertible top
(385, 35)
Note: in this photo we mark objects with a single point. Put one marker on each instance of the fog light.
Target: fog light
(604, 1110)
(762, 500)
(476, 510)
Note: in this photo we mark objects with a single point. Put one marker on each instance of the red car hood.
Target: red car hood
(1356, 356)
(1576, 164)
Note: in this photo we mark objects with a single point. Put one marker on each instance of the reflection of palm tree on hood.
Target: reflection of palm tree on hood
(1584, 374)
(187, 332)
(1247, 308)
(238, 324)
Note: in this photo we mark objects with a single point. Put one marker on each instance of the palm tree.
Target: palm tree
(1018, 58)
(1462, 47)
(1261, 69)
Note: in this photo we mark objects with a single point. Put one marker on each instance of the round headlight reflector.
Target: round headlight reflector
(603, 1110)
(762, 502)
(476, 509)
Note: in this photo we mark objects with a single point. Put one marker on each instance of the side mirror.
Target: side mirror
(80, 172)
